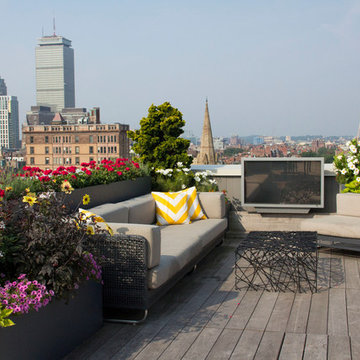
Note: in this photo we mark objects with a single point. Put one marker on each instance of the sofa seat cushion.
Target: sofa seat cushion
(180, 244)
(333, 225)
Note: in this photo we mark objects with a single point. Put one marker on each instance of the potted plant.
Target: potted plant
(347, 168)
(46, 260)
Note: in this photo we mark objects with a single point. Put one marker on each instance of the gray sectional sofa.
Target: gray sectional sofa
(144, 260)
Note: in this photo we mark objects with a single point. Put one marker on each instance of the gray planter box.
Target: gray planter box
(109, 193)
(56, 329)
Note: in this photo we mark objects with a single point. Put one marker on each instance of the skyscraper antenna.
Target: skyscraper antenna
(54, 27)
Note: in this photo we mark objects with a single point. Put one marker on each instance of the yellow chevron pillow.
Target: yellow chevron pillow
(194, 206)
(171, 208)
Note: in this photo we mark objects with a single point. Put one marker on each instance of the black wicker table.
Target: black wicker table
(277, 261)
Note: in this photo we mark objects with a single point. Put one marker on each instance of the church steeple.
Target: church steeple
(207, 152)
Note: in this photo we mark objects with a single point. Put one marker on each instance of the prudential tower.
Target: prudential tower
(55, 83)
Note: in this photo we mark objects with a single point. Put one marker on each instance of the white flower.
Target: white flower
(1, 254)
(356, 171)
(179, 164)
(343, 171)
(183, 186)
(358, 179)
(185, 170)
(2, 225)
(197, 178)
(339, 157)
(351, 166)
(212, 181)
(348, 143)
(353, 149)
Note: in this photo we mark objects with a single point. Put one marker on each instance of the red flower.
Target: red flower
(110, 168)
(64, 172)
(73, 176)
(119, 173)
(136, 165)
(2, 193)
(97, 168)
(127, 169)
(47, 172)
(84, 164)
(88, 172)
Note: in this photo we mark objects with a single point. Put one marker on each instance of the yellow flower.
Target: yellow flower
(98, 219)
(27, 190)
(66, 187)
(110, 230)
(54, 180)
(90, 230)
(8, 188)
(31, 200)
(86, 199)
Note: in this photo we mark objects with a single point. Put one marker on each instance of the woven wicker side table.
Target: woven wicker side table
(277, 261)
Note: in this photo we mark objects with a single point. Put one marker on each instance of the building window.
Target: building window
(46, 149)
(77, 161)
(91, 139)
(46, 139)
(76, 138)
(47, 161)
(31, 139)
(32, 161)
(115, 148)
(91, 149)
(114, 138)
(31, 150)
(77, 150)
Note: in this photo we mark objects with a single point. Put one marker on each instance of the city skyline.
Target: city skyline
(270, 68)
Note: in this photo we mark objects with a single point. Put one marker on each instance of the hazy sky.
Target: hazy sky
(289, 67)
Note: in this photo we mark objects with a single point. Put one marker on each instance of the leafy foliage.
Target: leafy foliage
(39, 238)
(158, 141)
(4, 317)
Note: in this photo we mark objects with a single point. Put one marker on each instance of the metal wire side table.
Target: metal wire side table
(277, 261)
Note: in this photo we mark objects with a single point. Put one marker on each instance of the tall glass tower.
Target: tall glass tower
(55, 84)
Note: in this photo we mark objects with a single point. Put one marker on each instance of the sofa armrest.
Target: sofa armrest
(124, 271)
(150, 232)
(213, 204)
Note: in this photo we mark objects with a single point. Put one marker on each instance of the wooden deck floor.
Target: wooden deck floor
(204, 317)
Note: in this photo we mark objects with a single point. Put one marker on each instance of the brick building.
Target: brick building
(50, 146)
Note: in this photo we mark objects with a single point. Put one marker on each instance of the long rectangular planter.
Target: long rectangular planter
(56, 329)
(109, 193)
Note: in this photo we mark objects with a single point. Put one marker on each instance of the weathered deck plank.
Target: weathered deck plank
(280, 315)
(293, 347)
(270, 345)
(247, 345)
(315, 347)
(339, 348)
(299, 313)
(203, 344)
(318, 316)
(337, 322)
(224, 345)
(353, 311)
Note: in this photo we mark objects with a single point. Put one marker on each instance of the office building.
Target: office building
(3, 89)
(9, 122)
(55, 81)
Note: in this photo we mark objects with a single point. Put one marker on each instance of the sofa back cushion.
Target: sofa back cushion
(213, 204)
(117, 213)
(141, 209)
